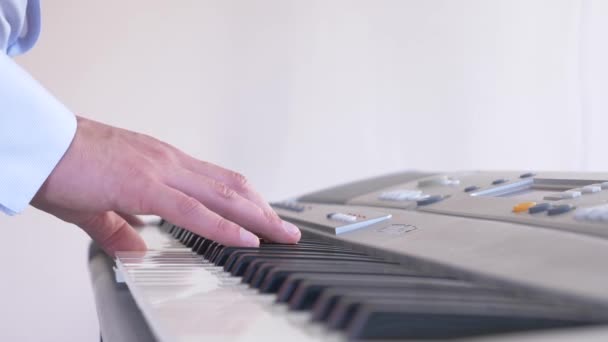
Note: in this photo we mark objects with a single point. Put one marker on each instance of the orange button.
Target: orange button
(524, 206)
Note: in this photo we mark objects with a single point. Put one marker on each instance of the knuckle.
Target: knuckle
(222, 227)
(94, 222)
(187, 206)
(240, 182)
(158, 150)
(271, 217)
(131, 189)
(163, 154)
(224, 191)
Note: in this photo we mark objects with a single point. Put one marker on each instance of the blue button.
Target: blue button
(560, 209)
(471, 188)
(499, 181)
(539, 208)
(527, 175)
(430, 200)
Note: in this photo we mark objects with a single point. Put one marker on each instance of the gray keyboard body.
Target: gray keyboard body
(476, 226)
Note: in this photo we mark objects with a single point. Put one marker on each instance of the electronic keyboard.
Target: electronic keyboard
(489, 256)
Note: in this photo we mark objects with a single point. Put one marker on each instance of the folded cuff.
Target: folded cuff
(35, 132)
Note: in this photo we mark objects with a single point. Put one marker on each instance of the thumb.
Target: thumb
(112, 232)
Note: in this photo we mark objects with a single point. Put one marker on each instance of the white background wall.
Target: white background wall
(299, 95)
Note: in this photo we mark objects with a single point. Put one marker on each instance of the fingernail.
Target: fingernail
(248, 239)
(290, 228)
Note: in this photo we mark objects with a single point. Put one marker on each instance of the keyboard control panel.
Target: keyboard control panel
(564, 201)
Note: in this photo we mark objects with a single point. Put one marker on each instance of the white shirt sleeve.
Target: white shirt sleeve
(35, 128)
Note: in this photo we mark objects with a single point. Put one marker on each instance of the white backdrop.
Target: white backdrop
(299, 95)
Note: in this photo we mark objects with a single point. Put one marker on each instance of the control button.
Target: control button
(539, 208)
(527, 175)
(453, 181)
(595, 214)
(592, 214)
(570, 194)
(499, 181)
(430, 200)
(560, 209)
(471, 188)
(289, 205)
(589, 189)
(604, 185)
(341, 217)
(563, 195)
(581, 213)
(401, 195)
(524, 206)
(439, 180)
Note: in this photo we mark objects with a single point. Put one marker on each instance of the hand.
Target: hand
(110, 174)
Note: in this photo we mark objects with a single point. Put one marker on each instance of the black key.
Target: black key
(215, 252)
(294, 252)
(204, 246)
(304, 288)
(167, 227)
(197, 244)
(329, 297)
(257, 271)
(271, 276)
(223, 256)
(176, 232)
(293, 281)
(173, 230)
(193, 239)
(277, 276)
(185, 238)
(210, 249)
(304, 298)
(188, 238)
(243, 261)
(413, 319)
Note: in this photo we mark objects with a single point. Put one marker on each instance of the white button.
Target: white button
(440, 180)
(589, 189)
(422, 197)
(604, 217)
(595, 215)
(598, 213)
(453, 182)
(581, 214)
(342, 217)
(400, 195)
(570, 194)
(563, 195)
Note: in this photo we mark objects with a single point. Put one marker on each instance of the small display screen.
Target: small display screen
(535, 190)
(529, 194)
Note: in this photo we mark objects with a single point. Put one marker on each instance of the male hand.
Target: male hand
(108, 175)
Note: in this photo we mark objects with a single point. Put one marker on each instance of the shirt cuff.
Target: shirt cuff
(35, 132)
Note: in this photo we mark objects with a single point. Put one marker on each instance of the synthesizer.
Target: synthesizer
(489, 256)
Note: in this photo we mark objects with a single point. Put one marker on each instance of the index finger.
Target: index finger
(187, 212)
